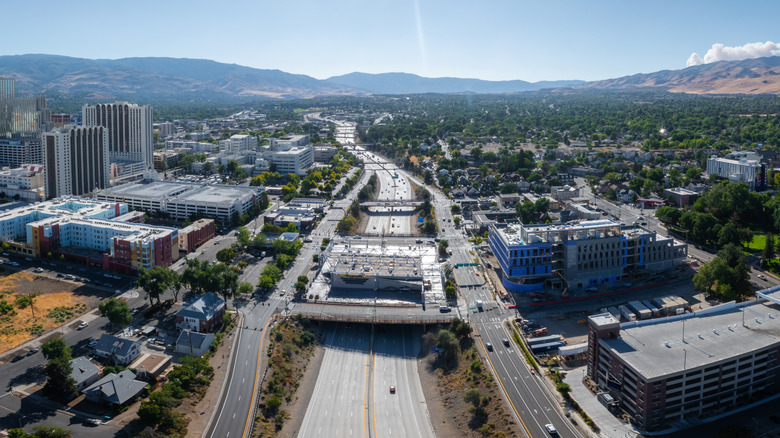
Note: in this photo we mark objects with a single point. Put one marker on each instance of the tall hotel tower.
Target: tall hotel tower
(129, 130)
(75, 160)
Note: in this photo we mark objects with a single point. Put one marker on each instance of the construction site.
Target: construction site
(388, 272)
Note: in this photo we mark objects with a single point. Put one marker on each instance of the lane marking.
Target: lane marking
(257, 370)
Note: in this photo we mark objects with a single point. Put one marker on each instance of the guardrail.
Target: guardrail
(378, 319)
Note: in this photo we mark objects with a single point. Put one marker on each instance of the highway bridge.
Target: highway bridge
(392, 203)
(379, 314)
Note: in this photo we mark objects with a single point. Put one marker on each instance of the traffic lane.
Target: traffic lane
(337, 406)
(231, 420)
(542, 407)
(408, 395)
(28, 412)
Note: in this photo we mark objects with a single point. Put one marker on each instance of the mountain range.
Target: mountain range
(200, 79)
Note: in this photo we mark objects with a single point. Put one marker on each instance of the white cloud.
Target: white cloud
(720, 52)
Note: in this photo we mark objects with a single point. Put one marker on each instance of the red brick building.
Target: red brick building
(196, 234)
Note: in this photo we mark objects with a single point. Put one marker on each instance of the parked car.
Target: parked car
(18, 357)
(32, 351)
(83, 325)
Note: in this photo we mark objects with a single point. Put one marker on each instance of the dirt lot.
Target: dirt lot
(57, 302)
(444, 393)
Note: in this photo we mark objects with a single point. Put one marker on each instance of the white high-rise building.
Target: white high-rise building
(129, 126)
(75, 160)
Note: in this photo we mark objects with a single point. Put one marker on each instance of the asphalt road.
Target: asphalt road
(232, 419)
(235, 413)
(403, 413)
(338, 406)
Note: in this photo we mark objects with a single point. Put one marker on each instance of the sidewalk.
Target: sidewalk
(610, 426)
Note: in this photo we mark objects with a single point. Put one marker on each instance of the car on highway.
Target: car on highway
(505, 341)
(761, 276)
(551, 429)
(83, 325)
(18, 357)
(392, 390)
(489, 346)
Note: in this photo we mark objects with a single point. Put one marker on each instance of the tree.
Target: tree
(460, 328)
(176, 285)
(223, 281)
(58, 379)
(455, 209)
(226, 255)
(117, 312)
(194, 276)
(243, 238)
(266, 282)
(55, 348)
(41, 432)
(456, 220)
(264, 202)
(726, 275)
(443, 245)
(473, 396)
(448, 343)
(154, 282)
(245, 288)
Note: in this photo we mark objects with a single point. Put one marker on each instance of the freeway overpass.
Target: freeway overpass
(379, 314)
(392, 203)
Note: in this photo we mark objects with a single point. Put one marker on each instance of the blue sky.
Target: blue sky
(494, 40)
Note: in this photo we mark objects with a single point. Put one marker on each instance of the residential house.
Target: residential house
(202, 314)
(149, 366)
(118, 350)
(84, 372)
(194, 343)
(115, 389)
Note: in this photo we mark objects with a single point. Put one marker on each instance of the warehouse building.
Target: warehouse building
(681, 369)
(579, 255)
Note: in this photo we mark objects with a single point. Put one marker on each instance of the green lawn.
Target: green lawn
(757, 244)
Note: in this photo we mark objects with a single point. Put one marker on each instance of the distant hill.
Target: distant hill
(406, 83)
(157, 77)
(192, 80)
(749, 76)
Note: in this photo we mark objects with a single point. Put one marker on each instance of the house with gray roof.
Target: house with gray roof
(118, 350)
(115, 389)
(194, 343)
(84, 372)
(202, 314)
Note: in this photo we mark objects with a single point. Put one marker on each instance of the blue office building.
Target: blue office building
(578, 255)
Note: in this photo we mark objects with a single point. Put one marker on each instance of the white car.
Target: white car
(761, 276)
(83, 325)
(551, 429)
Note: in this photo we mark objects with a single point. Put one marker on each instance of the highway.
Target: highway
(338, 406)
(235, 414)
(530, 401)
(402, 413)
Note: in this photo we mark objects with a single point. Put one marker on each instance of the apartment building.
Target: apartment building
(580, 254)
(25, 182)
(85, 231)
(750, 172)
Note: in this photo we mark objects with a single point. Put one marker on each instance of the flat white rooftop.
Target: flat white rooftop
(662, 347)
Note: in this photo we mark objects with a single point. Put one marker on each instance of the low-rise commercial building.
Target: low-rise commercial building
(303, 218)
(324, 152)
(24, 183)
(582, 254)
(681, 196)
(195, 234)
(684, 368)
